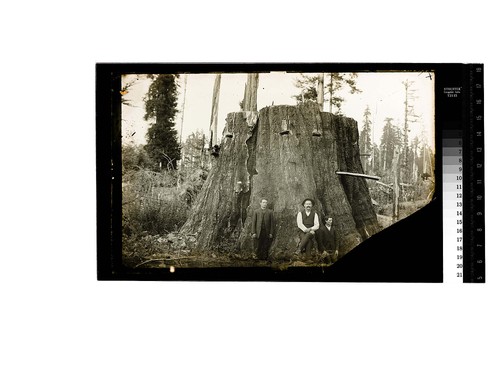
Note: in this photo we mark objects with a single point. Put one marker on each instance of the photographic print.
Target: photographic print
(274, 170)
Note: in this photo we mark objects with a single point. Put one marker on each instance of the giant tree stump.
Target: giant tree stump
(284, 154)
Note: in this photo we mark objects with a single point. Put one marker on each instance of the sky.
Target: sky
(383, 92)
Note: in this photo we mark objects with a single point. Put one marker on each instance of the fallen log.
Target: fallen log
(162, 260)
(384, 185)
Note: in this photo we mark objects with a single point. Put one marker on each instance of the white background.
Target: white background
(55, 318)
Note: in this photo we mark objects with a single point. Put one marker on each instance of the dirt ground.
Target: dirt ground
(174, 249)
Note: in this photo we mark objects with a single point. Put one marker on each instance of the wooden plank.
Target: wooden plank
(358, 175)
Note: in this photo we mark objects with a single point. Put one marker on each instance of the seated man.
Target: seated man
(308, 223)
(327, 241)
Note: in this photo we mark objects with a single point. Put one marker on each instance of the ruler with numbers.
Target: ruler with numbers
(463, 184)
(474, 252)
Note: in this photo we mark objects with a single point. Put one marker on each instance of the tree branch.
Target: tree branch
(161, 259)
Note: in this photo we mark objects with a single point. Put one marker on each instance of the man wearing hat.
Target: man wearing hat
(308, 223)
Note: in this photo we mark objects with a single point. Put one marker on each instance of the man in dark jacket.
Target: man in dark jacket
(262, 230)
(327, 240)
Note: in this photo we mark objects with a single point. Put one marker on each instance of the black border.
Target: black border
(409, 251)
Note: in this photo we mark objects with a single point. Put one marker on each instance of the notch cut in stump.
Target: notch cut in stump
(285, 127)
(316, 133)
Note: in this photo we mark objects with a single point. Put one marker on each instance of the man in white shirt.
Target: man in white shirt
(308, 223)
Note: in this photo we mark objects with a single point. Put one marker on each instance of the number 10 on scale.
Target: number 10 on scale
(453, 212)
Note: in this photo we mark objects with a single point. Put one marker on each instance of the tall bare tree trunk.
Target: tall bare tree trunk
(424, 161)
(250, 96)
(182, 119)
(321, 90)
(183, 106)
(202, 156)
(384, 161)
(215, 111)
(330, 89)
(395, 187)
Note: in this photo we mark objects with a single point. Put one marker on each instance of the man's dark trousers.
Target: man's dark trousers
(262, 244)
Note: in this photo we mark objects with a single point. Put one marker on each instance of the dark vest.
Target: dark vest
(308, 221)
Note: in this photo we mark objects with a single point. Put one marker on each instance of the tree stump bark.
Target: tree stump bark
(261, 160)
